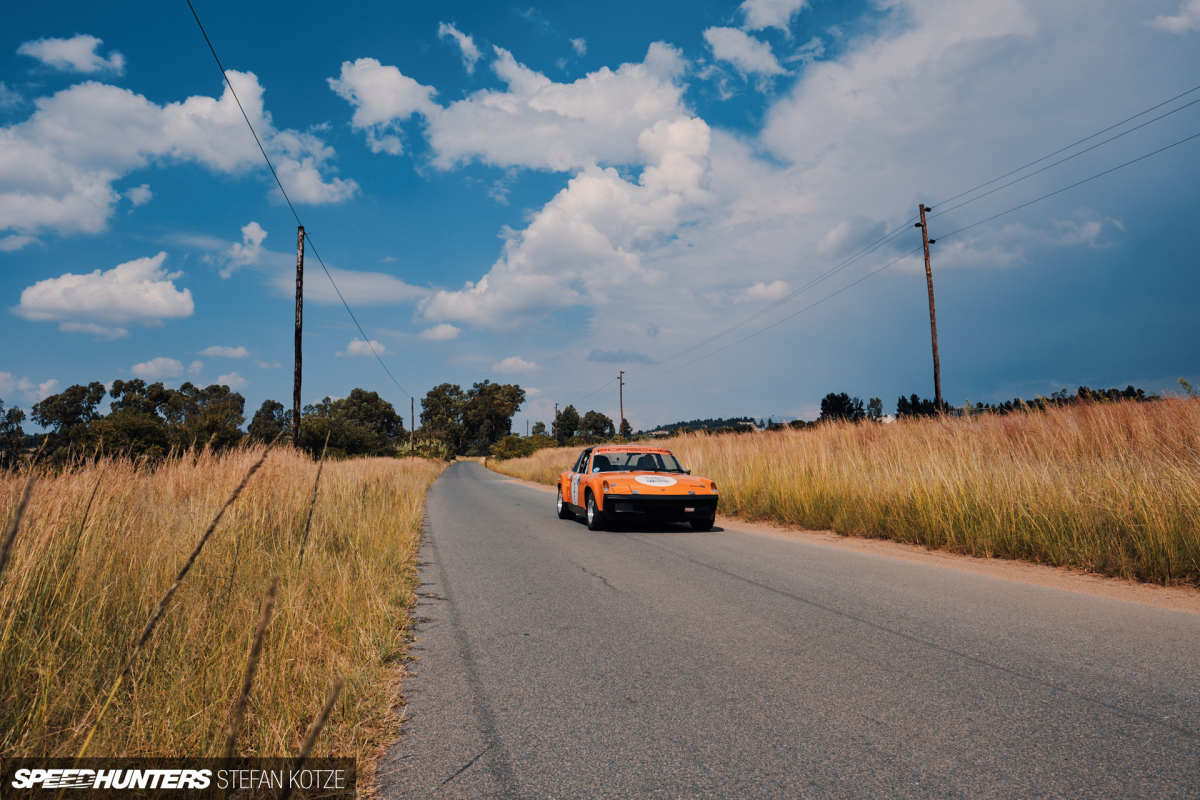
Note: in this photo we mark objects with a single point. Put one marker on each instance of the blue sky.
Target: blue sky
(547, 194)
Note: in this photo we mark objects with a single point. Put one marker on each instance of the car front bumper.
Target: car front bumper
(661, 506)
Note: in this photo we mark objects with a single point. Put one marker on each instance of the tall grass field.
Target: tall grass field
(1111, 488)
(77, 592)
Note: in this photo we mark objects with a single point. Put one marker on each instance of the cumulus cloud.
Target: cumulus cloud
(76, 54)
(15, 241)
(233, 381)
(466, 45)
(619, 357)
(58, 167)
(765, 291)
(157, 369)
(514, 364)
(11, 385)
(359, 288)
(9, 98)
(535, 123)
(383, 98)
(220, 351)
(1186, 21)
(586, 241)
(99, 302)
(579, 45)
(748, 55)
(440, 333)
(362, 348)
(761, 14)
(247, 252)
(139, 195)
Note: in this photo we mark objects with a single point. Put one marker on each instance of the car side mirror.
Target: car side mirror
(688, 471)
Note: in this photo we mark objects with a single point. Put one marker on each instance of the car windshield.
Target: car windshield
(635, 462)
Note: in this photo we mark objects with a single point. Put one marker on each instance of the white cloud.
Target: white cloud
(362, 348)
(383, 98)
(466, 45)
(586, 242)
(196, 367)
(58, 167)
(750, 56)
(221, 351)
(9, 98)
(514, 364)
(16, 241)
(233, 381)
(579, 45)
(11, 385)
(247, 252)
(46, 388)
(1186, 21)
(535, 123)
(138, 291)
(771, 13)
(77, 54)
(157, 369)
(766, 291)
(139, 195)
(440, 333)
(359, 288)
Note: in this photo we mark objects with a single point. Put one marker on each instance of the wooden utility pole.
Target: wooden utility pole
(621, 397)
(937, 364)
(412, 425)
(299, 327)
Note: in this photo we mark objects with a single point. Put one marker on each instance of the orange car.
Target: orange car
(614, 482)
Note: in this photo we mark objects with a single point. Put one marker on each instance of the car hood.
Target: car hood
(656, 483)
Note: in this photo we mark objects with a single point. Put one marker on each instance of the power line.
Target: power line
(283, 191)
(1039, 160)
(1088, 179)
(1054, 164)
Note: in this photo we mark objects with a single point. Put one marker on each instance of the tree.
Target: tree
(487, 414)
(875, 409)
(269, 421)
(539, 429)
(211, 416)
(68, 415)
(441, 414)
(12, 437)
(841, 406)
(595, 426)
(362, 423)
(565, 425)
(915, 406)
(626, 429)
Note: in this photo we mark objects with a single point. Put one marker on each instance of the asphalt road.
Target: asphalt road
(554, 662)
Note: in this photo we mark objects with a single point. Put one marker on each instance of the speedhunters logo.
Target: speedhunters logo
(334, 779)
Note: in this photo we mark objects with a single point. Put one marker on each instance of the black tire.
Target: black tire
(564, 511)
(704, 523)
(595, 517)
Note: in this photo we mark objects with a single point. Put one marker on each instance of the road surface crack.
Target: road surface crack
(465, 766)
(599, 577)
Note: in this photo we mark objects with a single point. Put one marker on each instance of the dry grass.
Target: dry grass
(1109, 488)
(74, 598)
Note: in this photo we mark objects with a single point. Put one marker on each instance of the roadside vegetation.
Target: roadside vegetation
(103, 538)
(1109, 486)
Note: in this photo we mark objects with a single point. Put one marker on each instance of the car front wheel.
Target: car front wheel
(563, 511)
(595, 517)
(704, 523)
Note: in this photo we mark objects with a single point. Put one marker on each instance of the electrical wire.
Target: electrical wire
(274, 174)
(1054, 164)
(1064, 149)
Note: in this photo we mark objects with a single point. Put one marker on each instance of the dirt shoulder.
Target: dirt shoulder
(1172, 598)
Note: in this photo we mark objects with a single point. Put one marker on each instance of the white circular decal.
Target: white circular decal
(655, 480)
